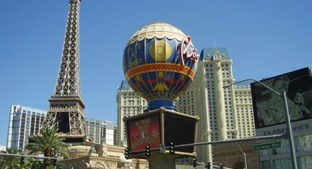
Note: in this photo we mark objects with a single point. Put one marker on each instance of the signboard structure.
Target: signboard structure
(270, 114)
(160, 127)
(159, 64)
(268, 106)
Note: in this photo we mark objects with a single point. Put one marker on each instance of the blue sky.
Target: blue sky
(264, 38)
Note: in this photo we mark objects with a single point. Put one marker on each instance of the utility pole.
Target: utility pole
(288, 120)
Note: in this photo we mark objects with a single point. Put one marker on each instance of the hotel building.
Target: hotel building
(225, 113)
(128, 104)
(26, 121)
(23, 122)
(101, 131)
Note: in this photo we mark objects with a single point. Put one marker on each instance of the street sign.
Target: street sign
(260, 147)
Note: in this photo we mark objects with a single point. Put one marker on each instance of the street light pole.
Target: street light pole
(245, 157)
(55, 156)
(290, 133)
(288, 122)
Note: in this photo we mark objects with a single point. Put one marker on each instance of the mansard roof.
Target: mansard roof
(207, 53)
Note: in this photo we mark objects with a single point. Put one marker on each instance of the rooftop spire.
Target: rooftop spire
(68, 80)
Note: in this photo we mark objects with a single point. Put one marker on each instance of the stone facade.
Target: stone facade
(231, 155)
(100, 156)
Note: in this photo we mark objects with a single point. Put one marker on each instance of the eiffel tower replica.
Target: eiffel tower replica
(65, 113)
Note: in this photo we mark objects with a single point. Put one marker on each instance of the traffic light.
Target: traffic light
(127, 153)
(208, 165)
(221, 166)
(147, 150)
(171, 148)
(22, 160)
(54, 162)
(195, 163)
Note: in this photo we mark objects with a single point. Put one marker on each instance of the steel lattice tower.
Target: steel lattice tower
(65, 113)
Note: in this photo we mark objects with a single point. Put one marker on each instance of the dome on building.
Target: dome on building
(159, 63)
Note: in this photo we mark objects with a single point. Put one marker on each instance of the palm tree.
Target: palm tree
(48, 143)
(11, 162)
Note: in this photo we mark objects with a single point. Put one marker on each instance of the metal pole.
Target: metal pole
(55, 156)
(290, 134)
(245, 157)
(232, 140)
(246, 163)
(28, 156)
(217, 142)
(288, 123)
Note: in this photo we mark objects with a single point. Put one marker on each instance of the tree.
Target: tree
(33, 163)
(48, 142)
(11, 162)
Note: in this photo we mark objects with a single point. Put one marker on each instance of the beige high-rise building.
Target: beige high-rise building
(128, 104)
(225, 113)
(244, 111)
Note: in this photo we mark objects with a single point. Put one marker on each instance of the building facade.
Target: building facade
(23, 122)
(26, 121)
(101, 131)
(244, 111)
(270, 118)
(3, 149)
(128, 104)
(236, 155)
(223, 115)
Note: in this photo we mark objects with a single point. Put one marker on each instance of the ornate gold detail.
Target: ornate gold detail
(132, 56)
(160, 50)
(161, 87)
(156, 67)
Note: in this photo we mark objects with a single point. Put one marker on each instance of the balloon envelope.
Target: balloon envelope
(159, 64)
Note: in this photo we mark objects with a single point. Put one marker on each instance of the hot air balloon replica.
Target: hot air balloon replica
(159, 63)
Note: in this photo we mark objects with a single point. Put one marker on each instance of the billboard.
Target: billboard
(144, 131)
(269, 108)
